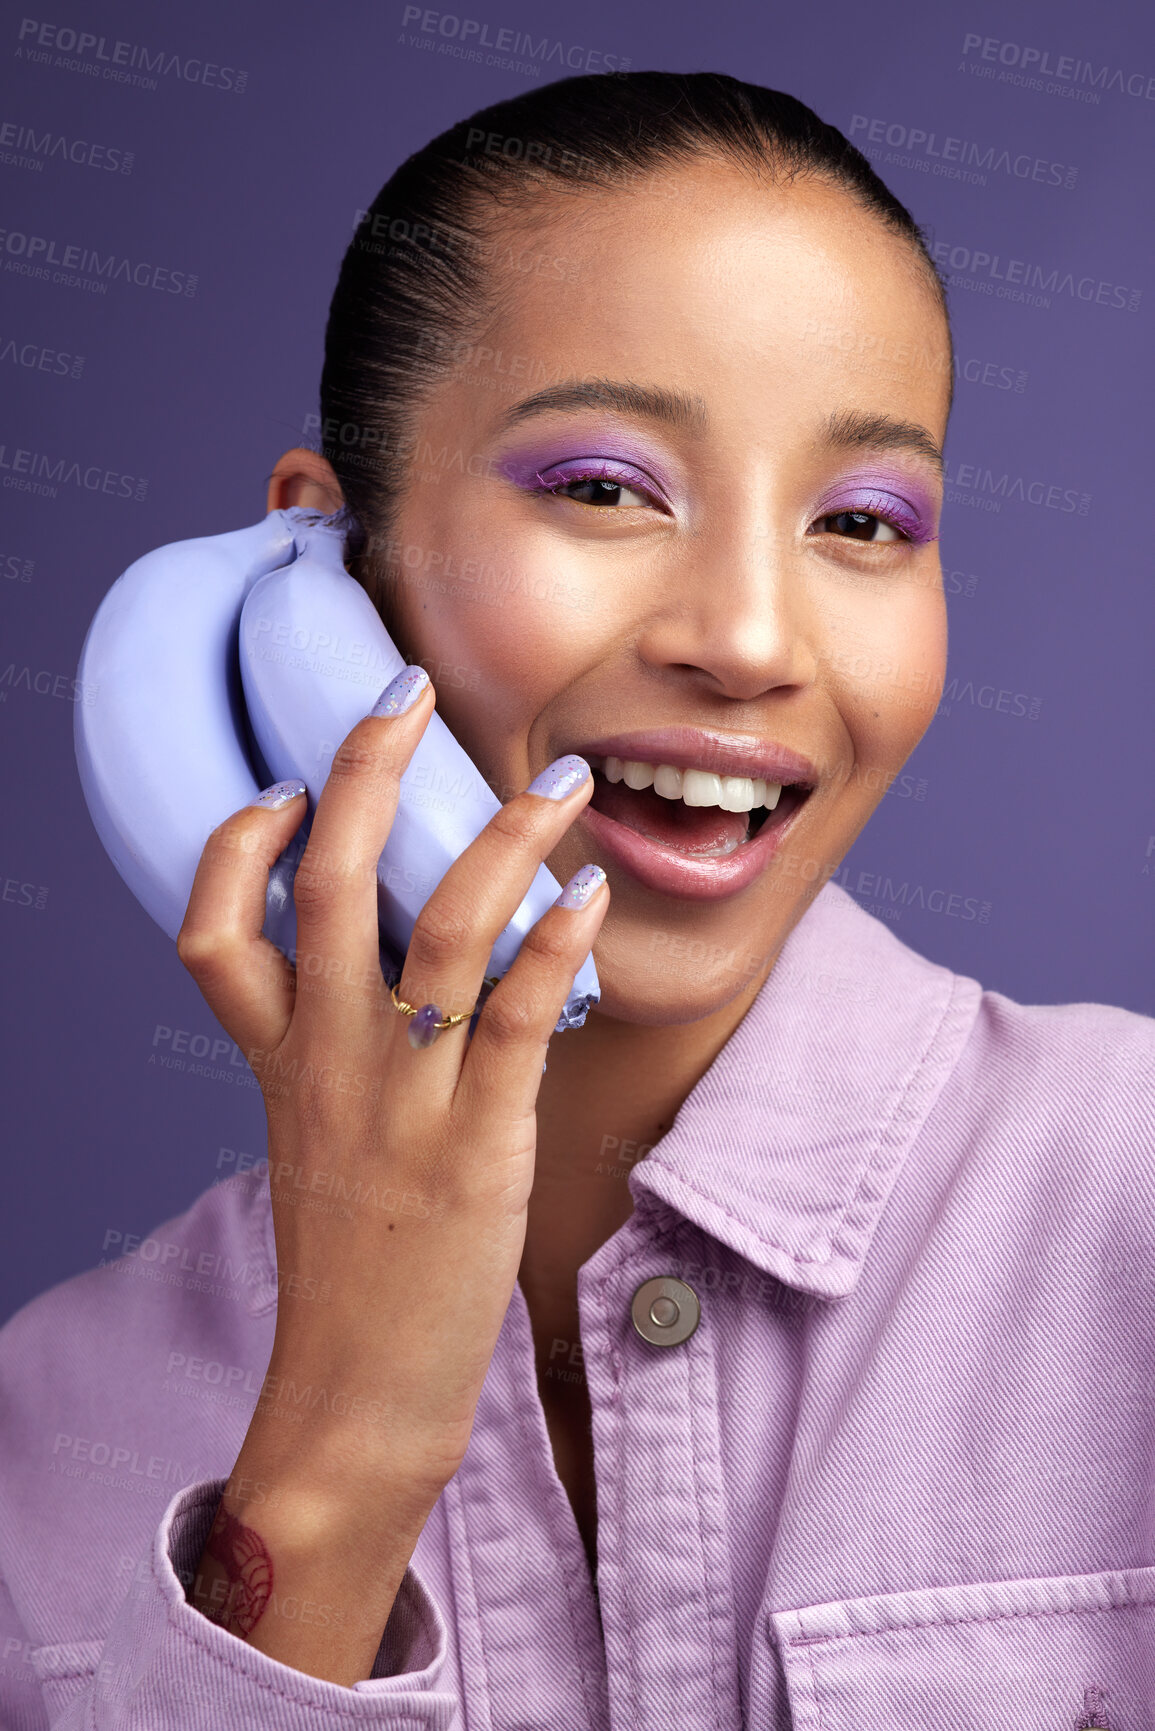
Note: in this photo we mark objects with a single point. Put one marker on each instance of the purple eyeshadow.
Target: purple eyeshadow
(898, 499)
(593, 469)
(579, 459)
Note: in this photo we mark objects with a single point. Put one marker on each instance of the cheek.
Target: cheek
(489, 664)
(500, 630)
(888, 660)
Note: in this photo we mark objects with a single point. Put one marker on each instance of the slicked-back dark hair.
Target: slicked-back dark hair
(418, 278)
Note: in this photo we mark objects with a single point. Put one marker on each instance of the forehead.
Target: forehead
(774, 298)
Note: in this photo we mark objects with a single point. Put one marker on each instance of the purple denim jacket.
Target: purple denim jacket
(902, 1473)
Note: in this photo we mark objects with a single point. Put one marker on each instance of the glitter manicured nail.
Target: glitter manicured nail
(279, 795)
(560, 777)
(581, 887)
(402, 692)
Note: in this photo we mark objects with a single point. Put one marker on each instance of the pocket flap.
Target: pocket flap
(1026, 1655)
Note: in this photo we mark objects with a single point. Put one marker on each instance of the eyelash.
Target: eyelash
(907, 527)
(602, 472)
(905, 524)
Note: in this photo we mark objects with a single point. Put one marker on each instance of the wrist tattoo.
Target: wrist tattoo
(248, 1569)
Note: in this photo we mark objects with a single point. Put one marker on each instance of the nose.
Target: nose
(731, 605)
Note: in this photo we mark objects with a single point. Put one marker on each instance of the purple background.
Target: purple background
(1032, 806)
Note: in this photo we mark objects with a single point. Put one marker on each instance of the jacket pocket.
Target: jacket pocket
(1027, 1655)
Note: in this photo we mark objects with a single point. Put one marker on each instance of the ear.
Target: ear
(301, 477)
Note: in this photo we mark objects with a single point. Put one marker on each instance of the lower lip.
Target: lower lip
(677, 874)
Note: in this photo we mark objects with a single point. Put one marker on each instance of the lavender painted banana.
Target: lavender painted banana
(160, 746)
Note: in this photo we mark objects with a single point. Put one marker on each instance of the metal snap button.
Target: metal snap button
(665, 1311)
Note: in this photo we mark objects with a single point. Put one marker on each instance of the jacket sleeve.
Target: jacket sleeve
(165, 1667)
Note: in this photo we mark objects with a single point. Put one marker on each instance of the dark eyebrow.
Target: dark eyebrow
(676, 408)
(852, 430)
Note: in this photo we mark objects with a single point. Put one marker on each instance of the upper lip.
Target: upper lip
(703, 748)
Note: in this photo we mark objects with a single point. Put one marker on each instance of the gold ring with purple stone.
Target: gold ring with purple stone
(428, 1021)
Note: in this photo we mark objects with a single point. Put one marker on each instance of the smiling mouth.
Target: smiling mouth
(699, 832)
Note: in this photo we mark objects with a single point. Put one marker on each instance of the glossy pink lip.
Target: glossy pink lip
(673, 873)
(700, 748)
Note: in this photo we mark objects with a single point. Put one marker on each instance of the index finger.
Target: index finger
(245, 979)
(335, 887)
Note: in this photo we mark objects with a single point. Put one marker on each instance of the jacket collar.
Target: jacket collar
(788, 1147)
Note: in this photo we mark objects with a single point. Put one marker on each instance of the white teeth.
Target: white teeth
(739, 793)
(698, 787)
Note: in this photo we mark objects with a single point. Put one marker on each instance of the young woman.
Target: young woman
(782, 1354)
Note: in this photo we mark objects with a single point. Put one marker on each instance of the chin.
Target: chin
(638, 989)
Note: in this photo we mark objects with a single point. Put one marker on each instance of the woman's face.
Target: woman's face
(736, 542)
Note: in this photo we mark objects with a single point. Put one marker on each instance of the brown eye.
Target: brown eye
(592, 490)
(859, 526)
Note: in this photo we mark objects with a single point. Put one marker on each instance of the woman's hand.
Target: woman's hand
(400, 1181)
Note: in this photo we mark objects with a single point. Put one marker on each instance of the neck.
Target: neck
(610, 1091)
